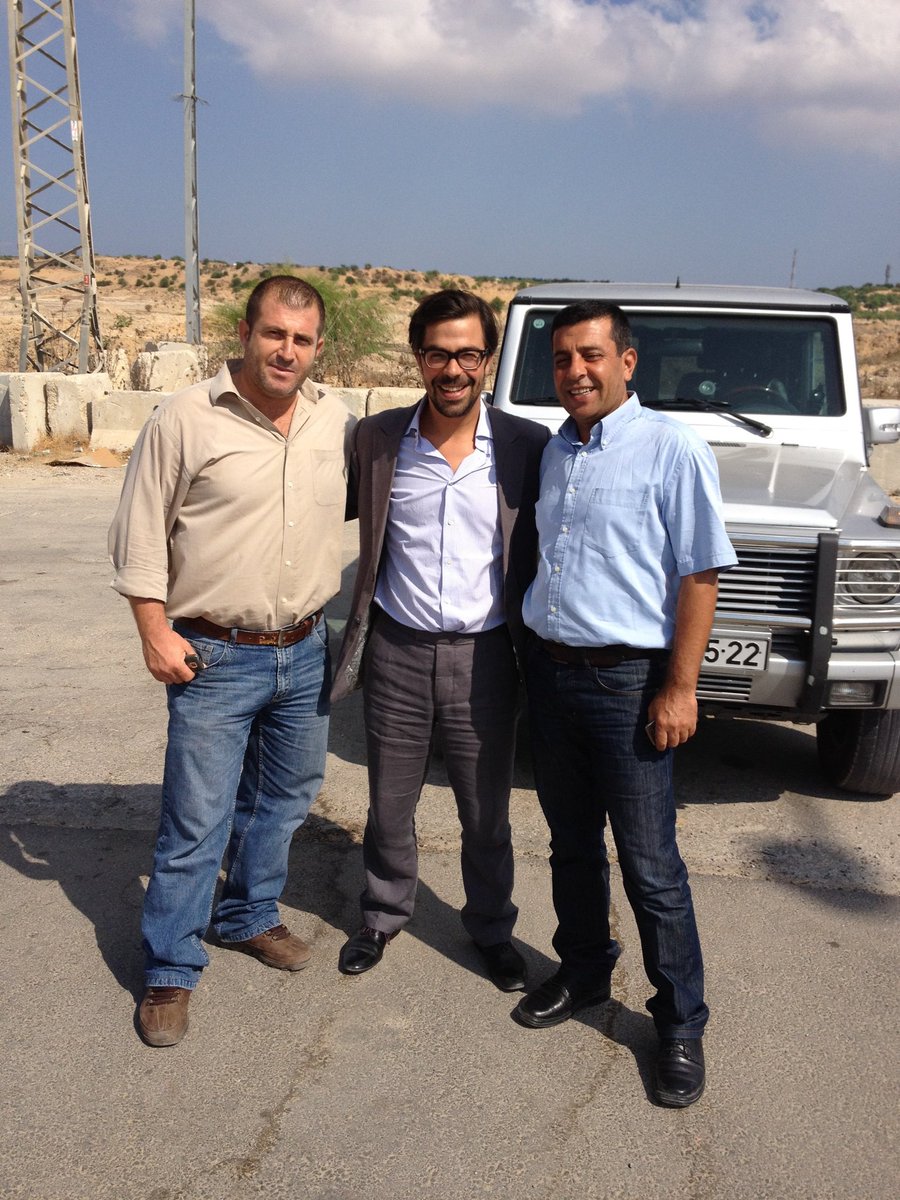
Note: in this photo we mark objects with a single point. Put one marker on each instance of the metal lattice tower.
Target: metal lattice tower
(60, 328)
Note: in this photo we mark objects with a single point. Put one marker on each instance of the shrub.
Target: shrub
(356, 328)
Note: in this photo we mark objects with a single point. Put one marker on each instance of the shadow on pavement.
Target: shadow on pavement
(731, 761)
(102, 871)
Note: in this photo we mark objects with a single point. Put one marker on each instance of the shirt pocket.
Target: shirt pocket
(329, 484)
(615, 519)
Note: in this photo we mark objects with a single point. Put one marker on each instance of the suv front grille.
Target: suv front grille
(773, 588)
(769, 581)
(735, 688)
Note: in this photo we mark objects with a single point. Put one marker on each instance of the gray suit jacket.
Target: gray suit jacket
(518, 446)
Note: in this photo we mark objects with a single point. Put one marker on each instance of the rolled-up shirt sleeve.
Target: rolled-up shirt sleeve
(154, 487)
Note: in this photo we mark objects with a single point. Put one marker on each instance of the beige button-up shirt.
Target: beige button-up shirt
(223, 517)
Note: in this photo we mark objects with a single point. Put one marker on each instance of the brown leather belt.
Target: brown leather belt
(254, 637)
(596, 656)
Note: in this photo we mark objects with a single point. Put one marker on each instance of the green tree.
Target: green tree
(356, 328)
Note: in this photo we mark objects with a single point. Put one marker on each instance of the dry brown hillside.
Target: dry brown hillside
(142, 300)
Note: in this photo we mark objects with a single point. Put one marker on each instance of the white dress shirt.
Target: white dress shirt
(442, 567)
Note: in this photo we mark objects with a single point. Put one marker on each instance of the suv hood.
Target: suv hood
(802, 486)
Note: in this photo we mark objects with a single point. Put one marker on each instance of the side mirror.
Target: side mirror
(881, 425)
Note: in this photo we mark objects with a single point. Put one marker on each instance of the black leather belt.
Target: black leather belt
(596, 656)
(254, 637)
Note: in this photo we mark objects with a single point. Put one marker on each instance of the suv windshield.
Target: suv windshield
(746, 364)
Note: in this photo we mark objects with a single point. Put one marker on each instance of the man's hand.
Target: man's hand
(673, 713)
(673, 710)
(164, 649)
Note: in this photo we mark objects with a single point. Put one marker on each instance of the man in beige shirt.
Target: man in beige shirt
(229, 527)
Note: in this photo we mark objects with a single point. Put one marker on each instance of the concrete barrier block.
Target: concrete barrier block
(118, 368)
(383, 398)
(69, 402)
(27, 403)
(119, 417)
(884, 463)
(356, 399)
(169, 367)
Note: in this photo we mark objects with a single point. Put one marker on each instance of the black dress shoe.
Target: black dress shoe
(557, 999)
(362, 951)
(505, 966)
(680, 1072)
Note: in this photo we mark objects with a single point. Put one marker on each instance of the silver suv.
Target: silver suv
(808, 624)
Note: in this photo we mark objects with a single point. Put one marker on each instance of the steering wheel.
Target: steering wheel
(758, 397)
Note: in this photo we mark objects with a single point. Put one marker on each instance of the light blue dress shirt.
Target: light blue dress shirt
(620, 520)
(442, 566)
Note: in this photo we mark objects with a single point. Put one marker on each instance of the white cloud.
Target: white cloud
(821, 70)
(150, 21)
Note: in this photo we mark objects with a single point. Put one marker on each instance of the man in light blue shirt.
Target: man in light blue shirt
(631, 540)
(445, 491)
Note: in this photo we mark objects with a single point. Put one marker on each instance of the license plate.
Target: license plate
(736, 652)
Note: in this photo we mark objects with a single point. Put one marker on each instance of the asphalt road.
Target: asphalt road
(411, 1081)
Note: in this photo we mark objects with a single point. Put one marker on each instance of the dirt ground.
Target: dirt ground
(878, 355)
(141, 300)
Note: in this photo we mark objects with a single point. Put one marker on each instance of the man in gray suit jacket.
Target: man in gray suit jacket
(445, 492)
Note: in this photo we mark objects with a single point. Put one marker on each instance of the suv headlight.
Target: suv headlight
(870, 578)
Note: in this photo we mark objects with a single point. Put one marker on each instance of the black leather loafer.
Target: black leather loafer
(557, 999)
(363, 951)
(680, 1072)
(505, 966)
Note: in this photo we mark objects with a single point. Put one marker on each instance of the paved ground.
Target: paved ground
(411, 1081)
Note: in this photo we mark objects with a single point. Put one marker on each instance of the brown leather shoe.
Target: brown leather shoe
(276, 947)
(163, 1015)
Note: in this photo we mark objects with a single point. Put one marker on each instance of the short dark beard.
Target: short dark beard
(437, 404)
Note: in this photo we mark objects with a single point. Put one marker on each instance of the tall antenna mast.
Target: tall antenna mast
(57, 280)
(191, 223)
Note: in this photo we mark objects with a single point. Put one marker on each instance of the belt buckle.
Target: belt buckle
(270, 637)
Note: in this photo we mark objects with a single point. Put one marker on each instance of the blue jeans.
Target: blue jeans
(244, 762)
(593, 761)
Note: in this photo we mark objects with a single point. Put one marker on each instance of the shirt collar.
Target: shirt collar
(606, 429)
(223, 382)
(483, 429)
(222, 387)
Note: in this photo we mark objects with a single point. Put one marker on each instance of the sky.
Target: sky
(720, 141)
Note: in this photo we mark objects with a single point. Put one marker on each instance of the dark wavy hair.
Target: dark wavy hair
(449, 305)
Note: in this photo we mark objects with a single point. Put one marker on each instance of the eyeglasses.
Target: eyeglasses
(467, 359)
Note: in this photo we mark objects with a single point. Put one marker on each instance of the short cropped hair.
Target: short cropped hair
(287, 290)
(450, 304)
(596, 310)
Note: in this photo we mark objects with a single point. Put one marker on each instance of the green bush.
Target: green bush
(356, 328)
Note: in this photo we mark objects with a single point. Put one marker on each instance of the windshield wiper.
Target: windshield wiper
(695, 404)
